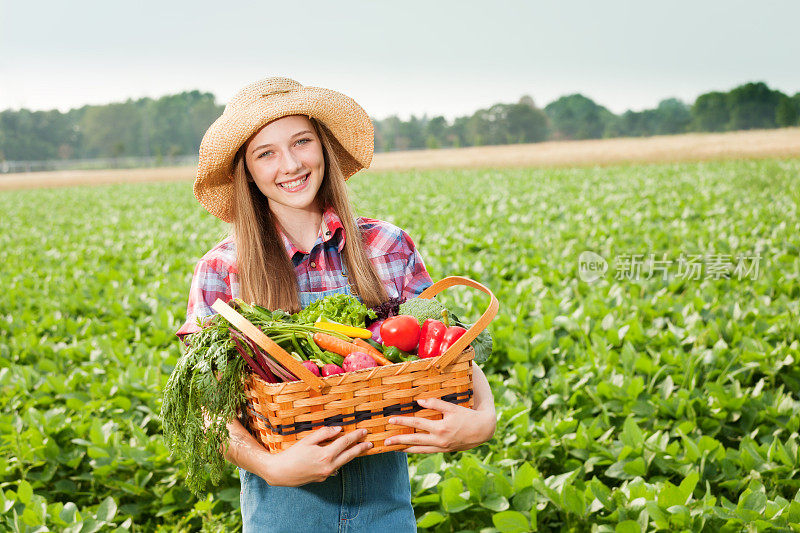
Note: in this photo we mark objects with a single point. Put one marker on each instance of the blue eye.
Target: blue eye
(304, 141)
(265, 153)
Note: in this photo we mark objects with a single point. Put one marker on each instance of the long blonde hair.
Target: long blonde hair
(266, 274)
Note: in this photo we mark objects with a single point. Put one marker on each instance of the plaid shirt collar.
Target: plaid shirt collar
(327, 231)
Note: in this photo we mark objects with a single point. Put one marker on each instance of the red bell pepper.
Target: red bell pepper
(431, 338)
(451, 335)
(423, 329)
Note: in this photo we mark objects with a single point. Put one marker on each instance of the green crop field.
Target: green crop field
(644, 400)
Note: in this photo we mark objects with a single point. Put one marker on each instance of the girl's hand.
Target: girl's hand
(314, 458)
(459, 429)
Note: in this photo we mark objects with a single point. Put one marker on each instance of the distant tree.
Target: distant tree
(203, 111)
(174, 124)
(432, 143)
(526, 123)
(710, 112)
(117, 149)
(105, 128)
(34, 135)
(458, 132)
(577, 117)
(380, 138)
(527, 100)
(436, 132)
(633, 124)
(413, 131)
(506, 124)
(477, 128)
(65, 151)
(386, 133)
(786, 113)
(672, 116)
(177, 122)
(753, 105)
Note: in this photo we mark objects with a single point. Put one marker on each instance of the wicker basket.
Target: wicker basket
(279, 414)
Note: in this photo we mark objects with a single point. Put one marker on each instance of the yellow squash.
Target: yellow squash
(350, 331)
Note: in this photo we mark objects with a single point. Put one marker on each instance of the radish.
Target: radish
(358, 361)
(314, 369)
(375, 328)
(331, 369)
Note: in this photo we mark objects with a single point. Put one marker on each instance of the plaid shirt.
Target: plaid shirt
(389, 248)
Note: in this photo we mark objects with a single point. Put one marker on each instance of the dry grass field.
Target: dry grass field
(668, 148)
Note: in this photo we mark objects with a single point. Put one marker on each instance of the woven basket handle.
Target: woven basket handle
(267, 344)
(461, 344)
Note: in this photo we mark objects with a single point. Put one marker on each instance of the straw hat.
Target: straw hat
(262, 102)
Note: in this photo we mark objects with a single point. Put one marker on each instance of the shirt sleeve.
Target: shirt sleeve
(208, 284)
(415, 277)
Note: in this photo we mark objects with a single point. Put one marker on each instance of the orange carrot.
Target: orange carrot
(370, 350)
(335, 344)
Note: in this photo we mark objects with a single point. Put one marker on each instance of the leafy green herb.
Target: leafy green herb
(201, 397)
(206, 389)
(341, 308)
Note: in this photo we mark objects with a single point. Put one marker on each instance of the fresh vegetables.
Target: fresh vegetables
(401, 331)
(331, 369)
(311, 366)
(206, 388)
(358, 361)
(389, 308)
(396, 355)
(329, 337)
(350, 331)
(341, 308)
(372, 351)
(430, 339)
(422, 309)
(451, 335)
(335, 344)
(428, 308)
(207, 380)
(375, 328)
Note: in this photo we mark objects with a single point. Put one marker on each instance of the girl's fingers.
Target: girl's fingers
(345, 441)
(413, 439)
(351, 453)
(438, 405)
(322, 434)
(414, 422)
(425, 449)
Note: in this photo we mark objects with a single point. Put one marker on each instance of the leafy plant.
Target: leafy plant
(657, 404)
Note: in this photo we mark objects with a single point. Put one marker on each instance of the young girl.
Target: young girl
(274, 165)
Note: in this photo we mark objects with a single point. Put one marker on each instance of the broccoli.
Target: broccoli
(424, 308)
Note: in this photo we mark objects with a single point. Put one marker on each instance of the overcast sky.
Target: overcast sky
(434, 57)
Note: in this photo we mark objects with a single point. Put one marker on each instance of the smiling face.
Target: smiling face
(286, 162)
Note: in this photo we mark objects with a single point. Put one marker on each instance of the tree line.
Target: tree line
(174, 125)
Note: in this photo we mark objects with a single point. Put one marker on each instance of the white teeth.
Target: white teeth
(295, 183)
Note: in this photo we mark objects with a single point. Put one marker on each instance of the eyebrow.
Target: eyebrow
(270, 144)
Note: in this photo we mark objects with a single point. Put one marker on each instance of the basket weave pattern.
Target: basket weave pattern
(279, 414)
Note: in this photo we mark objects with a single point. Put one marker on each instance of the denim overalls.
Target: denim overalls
(369, 494)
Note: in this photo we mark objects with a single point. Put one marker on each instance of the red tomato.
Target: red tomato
(401, 331)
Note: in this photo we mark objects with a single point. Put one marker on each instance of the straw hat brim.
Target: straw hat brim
(350, 125)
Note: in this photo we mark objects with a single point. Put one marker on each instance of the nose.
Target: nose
(291, 163)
